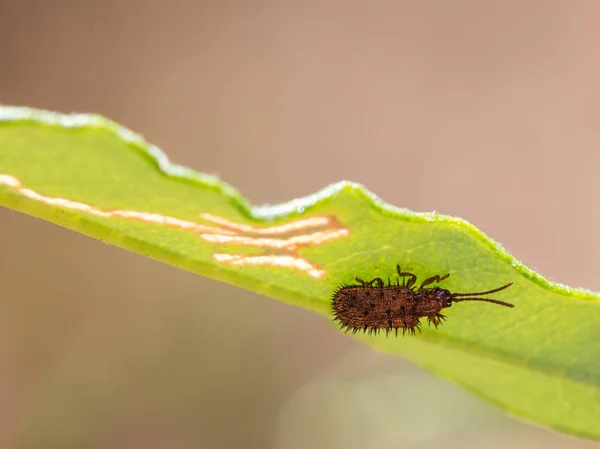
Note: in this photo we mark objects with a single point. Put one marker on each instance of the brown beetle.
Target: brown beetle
(373, 306)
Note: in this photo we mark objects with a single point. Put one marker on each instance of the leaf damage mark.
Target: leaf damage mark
(281, 242)
(282, 250)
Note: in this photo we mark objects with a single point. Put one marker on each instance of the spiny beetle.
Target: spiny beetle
(373, 306)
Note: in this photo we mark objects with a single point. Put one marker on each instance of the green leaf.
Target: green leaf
(540, 360)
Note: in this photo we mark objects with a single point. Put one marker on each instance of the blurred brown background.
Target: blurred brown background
(483, 109)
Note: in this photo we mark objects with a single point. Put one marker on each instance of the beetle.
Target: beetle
(372, 306)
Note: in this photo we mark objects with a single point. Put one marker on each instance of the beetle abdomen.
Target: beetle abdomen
(375, 308)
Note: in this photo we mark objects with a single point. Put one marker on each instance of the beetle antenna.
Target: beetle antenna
(502, 303)
(455, 295)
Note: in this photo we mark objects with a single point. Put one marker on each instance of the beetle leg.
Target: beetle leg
(432, 279)
(436, 319)
(378, 281)
(412, 277)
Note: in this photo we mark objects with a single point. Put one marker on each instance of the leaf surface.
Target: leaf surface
(540, 360)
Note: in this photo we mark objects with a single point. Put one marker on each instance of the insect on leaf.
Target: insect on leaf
(539, 360)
